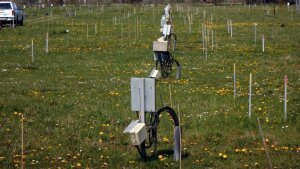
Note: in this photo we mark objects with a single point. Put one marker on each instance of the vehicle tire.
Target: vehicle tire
(17, 22)
(21, 22)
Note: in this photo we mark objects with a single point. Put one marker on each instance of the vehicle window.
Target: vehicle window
(15, 6)
(5, 6)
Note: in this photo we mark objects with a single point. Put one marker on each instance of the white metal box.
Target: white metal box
(138, 134)
(160, 46)
(143, 94)
(155, 74)
(166, 30)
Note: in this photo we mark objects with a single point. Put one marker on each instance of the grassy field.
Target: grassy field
(75, 99)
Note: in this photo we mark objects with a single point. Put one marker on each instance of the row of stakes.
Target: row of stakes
(250, 93)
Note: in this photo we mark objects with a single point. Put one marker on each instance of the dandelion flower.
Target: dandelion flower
(165, 139)
(160, 156)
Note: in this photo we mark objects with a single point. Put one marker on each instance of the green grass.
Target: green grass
(76, 99)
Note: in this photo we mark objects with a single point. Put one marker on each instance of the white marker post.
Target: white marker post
(190, 23)
(206, 43)
(203, 35)
(47, 43)
(234, 82)
(136, 28)
(72, 27)
(22, 141)
(67, 32)
(212, 40)
(87, 31)
(250, 88)
(216, 39)
(292, 18)
(170, 92)
(255, 24)
(263, 43)
(230, 28)
(95, 28)
(285, 97)
(32, 55)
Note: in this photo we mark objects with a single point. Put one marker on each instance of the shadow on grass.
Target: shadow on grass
(30, 67)
(167, 152)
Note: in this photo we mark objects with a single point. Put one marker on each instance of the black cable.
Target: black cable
(152, 131)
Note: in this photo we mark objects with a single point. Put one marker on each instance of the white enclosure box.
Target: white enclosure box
(143, 94)
(155, 74)
(160, 46)
(138, 134)
(166, 30)
(163, 21)
(167, 11)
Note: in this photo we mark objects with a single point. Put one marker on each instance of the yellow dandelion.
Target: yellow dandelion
(78, 164)
(165, 139)
(224, 156)
(220, 154)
